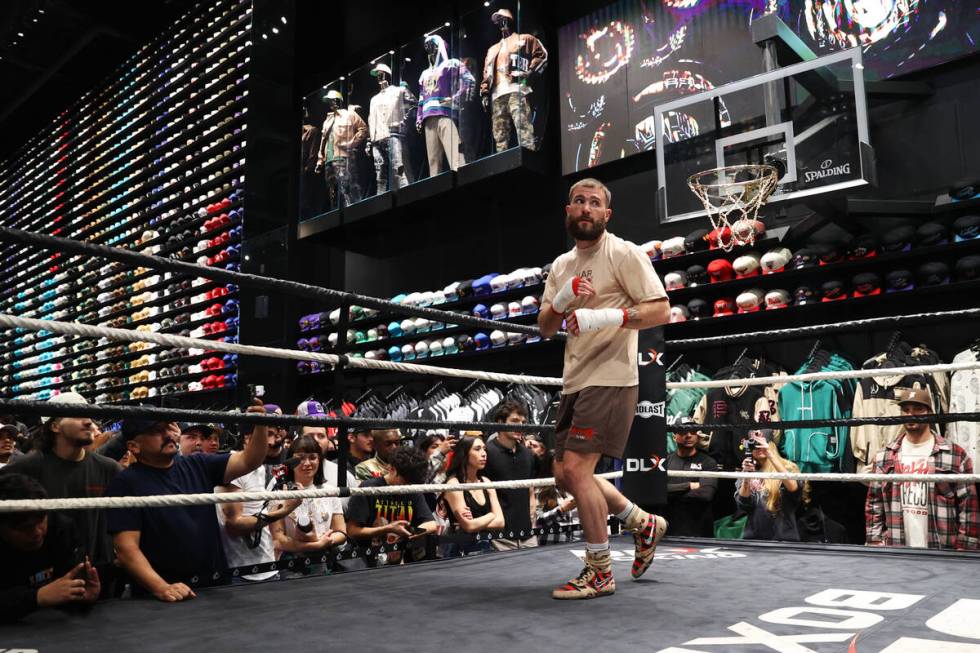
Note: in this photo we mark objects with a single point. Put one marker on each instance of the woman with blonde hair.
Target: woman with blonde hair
(771, 504)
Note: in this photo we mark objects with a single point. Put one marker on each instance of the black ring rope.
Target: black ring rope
(247, 280)
(54, 409)
(773, 335)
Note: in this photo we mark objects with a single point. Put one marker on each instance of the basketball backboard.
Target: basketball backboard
(809, 119)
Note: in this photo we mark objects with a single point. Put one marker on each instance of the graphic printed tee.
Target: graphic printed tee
(915, 496)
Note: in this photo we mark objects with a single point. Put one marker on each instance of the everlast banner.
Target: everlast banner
(644, 475)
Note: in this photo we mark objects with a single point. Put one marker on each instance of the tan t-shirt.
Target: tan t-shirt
(622, 276)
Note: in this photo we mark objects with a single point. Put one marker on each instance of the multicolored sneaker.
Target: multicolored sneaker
(595, 580)
(646, 539)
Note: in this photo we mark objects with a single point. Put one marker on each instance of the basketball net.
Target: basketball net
(734, 192)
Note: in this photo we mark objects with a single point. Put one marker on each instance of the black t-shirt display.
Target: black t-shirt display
(179, 541)
(383, 509)
(24, 572)
(506, 465)
(689, 511)
(63, 479)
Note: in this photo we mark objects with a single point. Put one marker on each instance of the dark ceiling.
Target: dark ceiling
(52, 51)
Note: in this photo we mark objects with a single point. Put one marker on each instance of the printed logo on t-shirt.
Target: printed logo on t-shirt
(581, 433)
(719, 408)
(915, 500)
(41, 578)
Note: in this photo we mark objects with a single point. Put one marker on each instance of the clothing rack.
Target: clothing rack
(434, 389)
(394, 394)
(896, 337)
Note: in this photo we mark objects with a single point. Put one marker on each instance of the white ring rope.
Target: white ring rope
(826, 376)
(171, 500)
(168, 340)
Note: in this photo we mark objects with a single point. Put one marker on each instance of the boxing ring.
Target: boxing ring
(699, 595)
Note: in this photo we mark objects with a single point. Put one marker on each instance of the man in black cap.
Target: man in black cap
(193, 436)
(9, 434)
(161, 547)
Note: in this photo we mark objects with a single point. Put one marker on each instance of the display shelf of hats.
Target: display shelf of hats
(410, 330)
(817, 270)
(698, 248)
(94, 219)
(132, 185)
(156, 168)
(382, 319)
(156, 202)
(119, 367)
(226, 198)
(207, 327)
(86, 367)
(118, 379)
(176, 172)
(469, 347)
(806, 301)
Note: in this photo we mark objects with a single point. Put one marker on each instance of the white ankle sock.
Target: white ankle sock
(623, 516)
(597, 548)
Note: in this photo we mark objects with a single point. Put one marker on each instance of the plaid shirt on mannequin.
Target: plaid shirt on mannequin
(954, 522)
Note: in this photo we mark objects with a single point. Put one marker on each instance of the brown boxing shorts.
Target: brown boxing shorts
(596, 419)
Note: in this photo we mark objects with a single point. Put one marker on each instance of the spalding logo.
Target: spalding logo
(647, 409)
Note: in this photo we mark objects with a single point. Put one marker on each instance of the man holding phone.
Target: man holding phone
(45, 564)
(379, 519)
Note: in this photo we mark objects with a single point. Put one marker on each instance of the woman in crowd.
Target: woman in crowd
(471, 511)
(771, 504)
(317, 523)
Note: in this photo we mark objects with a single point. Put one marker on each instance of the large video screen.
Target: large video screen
(618, 63)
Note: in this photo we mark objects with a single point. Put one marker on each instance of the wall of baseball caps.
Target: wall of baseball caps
(153, 160)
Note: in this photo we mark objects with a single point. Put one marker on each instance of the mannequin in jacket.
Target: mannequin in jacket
(443, 86)
(388, 113)
(342, 136)
(508, 65)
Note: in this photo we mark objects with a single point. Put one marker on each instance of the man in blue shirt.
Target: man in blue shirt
(161, 547)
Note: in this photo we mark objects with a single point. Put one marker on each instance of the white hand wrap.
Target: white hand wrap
(601, 318)
(566, 295)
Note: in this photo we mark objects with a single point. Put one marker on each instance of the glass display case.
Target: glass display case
(384, 107)
(508, 57)
(329, 132)
(429, 70)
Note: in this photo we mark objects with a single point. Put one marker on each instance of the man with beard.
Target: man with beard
(605, 290)
(64, 468)
(162, 547)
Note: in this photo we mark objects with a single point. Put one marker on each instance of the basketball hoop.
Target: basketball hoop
(743, 189)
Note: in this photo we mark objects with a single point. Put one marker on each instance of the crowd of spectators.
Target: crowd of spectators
(73, 558)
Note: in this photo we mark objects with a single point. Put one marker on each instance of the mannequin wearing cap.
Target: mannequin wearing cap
(167, 554)
(921, 514)
(508, 65)
(606, 290)
(65, 468)
(387, 124)
(341, 137)
(442, 88)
